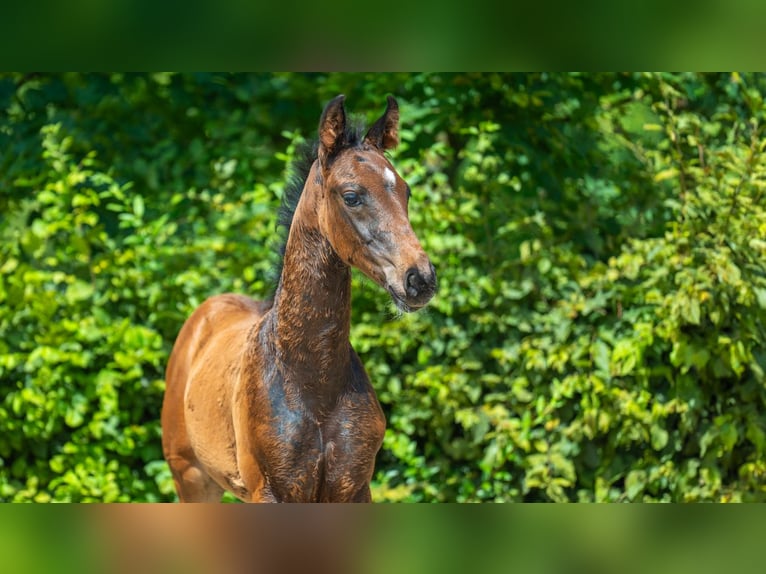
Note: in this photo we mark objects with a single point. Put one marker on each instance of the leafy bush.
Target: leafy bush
(598, 333)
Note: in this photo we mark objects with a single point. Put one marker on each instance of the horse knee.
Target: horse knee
(193, 484)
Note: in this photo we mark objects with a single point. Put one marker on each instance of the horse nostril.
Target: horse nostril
(413, 282)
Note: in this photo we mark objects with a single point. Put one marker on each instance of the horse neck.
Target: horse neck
(311, 316)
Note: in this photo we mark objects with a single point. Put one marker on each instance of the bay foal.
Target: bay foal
(268, 400)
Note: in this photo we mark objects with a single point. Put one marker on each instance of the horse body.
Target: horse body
(268, 399)
(196, 418)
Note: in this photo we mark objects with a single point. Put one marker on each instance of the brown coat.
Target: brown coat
(269, 400)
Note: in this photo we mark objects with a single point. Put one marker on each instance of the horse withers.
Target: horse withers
(268, 400)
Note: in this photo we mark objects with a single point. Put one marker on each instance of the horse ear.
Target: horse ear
(332, 125)
(384, 133)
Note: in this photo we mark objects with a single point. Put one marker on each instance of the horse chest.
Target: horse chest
(304, 457)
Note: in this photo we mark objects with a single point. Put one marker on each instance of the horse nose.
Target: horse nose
(416, 285)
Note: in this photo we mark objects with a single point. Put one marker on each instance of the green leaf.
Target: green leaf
(707, 439)
(729, 435)
(693, 316)
(75, 413)
(666, 174)
(760, 295)
(756, 434)
(79, 291)
(659, 437)
(600, 352)
(138, 206)
(635, 483)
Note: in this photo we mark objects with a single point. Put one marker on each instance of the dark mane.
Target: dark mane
(298, 172)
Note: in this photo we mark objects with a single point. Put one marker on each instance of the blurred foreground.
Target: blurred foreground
(357, 540)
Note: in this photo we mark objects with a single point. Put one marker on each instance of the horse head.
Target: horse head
(363, 211)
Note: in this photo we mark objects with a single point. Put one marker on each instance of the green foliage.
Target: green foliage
(598, 333)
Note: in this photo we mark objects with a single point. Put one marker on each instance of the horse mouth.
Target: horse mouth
(402, 304)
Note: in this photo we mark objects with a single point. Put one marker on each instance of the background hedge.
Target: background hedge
(600, 240)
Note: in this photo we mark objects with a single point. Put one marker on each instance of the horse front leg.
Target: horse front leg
(192, 483)
(363, 494)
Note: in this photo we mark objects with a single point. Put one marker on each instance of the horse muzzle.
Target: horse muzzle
(417, 288)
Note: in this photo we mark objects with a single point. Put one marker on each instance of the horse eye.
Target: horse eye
(352, 199)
